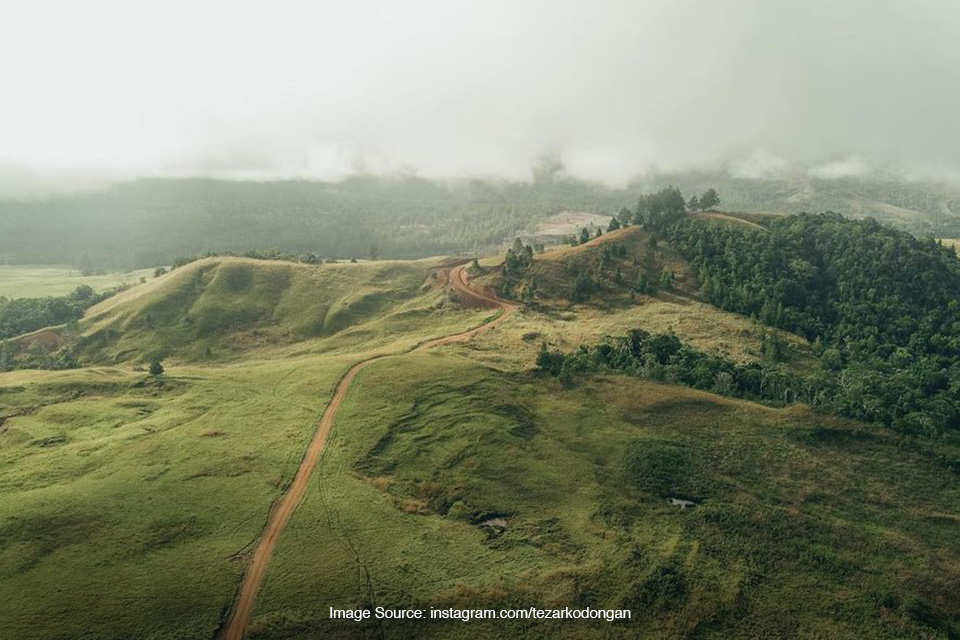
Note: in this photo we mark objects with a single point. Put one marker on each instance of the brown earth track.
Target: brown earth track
(284, 507)
(712, 215)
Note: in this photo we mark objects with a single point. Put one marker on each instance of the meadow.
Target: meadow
(804, 526)
(38, 281)
(456, 476)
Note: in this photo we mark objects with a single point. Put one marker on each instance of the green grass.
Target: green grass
(128, 508)
(220, 309)
(124, 506)
(806, 526)
(38, 281)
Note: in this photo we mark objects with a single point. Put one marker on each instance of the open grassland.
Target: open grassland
(805, 526)
(38, 281)
(221, 308)
(125, 507)
(701, 325)
(129, 507)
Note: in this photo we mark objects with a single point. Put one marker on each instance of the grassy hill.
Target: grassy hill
(614, 306)
(804, 526)
(457, 476)
(226, 305)
(216, 309)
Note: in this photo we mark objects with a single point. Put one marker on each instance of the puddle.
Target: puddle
(495, 523)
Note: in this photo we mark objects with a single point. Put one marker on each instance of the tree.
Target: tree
(710, 200)
(529, 292)
(656, 211)
(156, 368)
(693, 204)
(159, 271)
(666, 279)
(642, 284)
(373, 251)
(583, 286)
(598, 233)
(584, 235)
(614, 224)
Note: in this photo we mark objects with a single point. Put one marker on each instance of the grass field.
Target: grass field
(129, 507)
(805, 527)
(37, 281)
(125, 506)
(207, 452)
(225, 308)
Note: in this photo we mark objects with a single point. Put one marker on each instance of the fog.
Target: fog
(106, 90)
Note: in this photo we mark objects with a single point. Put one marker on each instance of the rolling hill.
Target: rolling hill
(454, 473)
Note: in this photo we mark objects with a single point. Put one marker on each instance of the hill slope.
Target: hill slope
(219, 307)
(459, 477)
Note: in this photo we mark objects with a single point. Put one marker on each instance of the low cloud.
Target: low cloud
(845, 168)
(456, 88)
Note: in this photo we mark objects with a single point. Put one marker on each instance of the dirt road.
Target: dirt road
(711, 215)
(285, 505)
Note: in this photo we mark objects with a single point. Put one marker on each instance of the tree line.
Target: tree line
(665, 358)
(23, 315)
(881, 307)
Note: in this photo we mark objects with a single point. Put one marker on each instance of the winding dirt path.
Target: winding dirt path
(287, 503)
(715, 215)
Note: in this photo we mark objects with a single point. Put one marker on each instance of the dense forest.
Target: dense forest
(881, 307)
(151, 222)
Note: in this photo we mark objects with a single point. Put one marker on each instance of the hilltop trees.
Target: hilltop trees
(656, 211)
(710, 200)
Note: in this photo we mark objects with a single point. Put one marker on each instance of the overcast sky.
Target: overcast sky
(110, 89)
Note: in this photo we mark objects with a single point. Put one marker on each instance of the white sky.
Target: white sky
(109, 89)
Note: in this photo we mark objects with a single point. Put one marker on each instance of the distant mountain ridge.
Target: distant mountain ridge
(153, 221)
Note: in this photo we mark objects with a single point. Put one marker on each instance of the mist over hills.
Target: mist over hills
(154, 221)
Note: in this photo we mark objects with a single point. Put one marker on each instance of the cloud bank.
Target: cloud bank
(107, 89)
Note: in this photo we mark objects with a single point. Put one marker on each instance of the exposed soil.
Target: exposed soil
(711, 215)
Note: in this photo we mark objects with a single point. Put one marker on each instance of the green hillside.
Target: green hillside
(222, 306)
(460, 473)
(805, 526)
